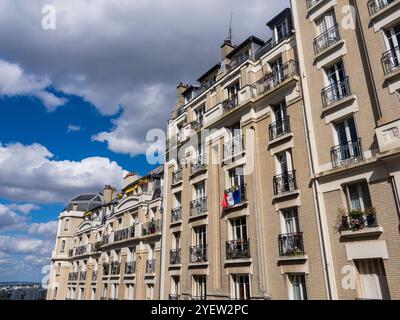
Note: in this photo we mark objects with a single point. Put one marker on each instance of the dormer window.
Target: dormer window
(282, 30)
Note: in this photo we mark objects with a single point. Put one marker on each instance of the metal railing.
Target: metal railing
(279, 128)
(82, 276)
(73, 276)
(238, 249)
(233, 147)
(130, 267)
(346, 153)
(177, 176)
(115, 268)
(121, 235)
(312, 3)
(198, 164)
(176, 215)
(291, 244)
(230, 103)
(175, 256)
(150, 266)
(239, 60)
(326, 39)
(285, 182)
(275, 77)
(391, 61)
(336, 91)
(198, 207)
(151, 227)
(106, 269)
(198, 254)
(375, 6)
(238, 194)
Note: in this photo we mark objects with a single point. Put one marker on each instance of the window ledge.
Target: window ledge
(339, 103)
(366, 232)
(301, 257)
(198, 264)
(238, 261)
(199, 216)
(328, 50)
(286, 194)
(285, 136)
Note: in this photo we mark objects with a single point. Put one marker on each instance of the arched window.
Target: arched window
(62, 246)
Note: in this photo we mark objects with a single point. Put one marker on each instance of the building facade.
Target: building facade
(108, 245)
(348, 53)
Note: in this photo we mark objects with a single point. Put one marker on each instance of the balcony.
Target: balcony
(291, 244)
(234, 196)
(106, 269)
(238, 249)
(177, 176)
(176, 215)
(326, 39)
(198, 254)
(197, 124)
(233, 147)
(346, 153)
(375, 6)
(82, 276)
(130, 267)
(94, 276)
(312, 3)
(121, 235)
(390, 61)
(107, 239)
(73, 276)
(357, 220)
(198, 165)
(152, 227)
(174, 297)
(273, 79)
(115, 268)
(335, 92)
(175, 256)
(79, 251)
(279, 128)
(239, 60)
(151, 266)
(285, 182)
(198, 207)
(230, 103)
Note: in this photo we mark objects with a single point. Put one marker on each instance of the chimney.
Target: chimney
(130, 178)
(108, 194)
(226, 48)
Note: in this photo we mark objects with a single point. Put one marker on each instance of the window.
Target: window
(134, 217)
(239, 229)
(281, 30)
(58, 270)
(114, 291)
(236, 177)
(241, 287)
(348, 145)
(120, 223)
(129, 291)
(150, 292)
(62, 246)
(176, 240)
(177, 200)
(373, 279)
(391, 58)
(199, 287)
(105, 289)
(66, 225)
(291, 221)
(200, 236)
(297, 288)
(55, 293)
(93, 295)
(233, 90)
(175, 286)
(81, 294)
(358, 196)
(337, 84)
(199, 190)
(326, 22)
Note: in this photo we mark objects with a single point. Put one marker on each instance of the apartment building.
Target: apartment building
(349, 62)
(108, 245)
(240, 219)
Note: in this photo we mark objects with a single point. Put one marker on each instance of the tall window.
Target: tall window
(358, 196)
(282, 30)
(233, 90)
(291, 221)
(199, 190)
(175, 285)
(66, 225)
(298, 290)
(236, 177)
(239, 229)
(199, 287)
(93, 294)
(241, 287)
(176, 240)
(200, 236)
(347, 142)
(373, 279)
(149, 291)
(129, 291)
(337, 86)
(62, 246)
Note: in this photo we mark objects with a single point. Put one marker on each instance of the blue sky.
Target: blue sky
(77, 101)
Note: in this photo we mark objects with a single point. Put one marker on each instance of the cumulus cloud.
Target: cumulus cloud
(114, 54)
(9, 220)
(14, 82)
(46, 230)
(73, 128)
(25, 246)
(25, 208)
(29, 173)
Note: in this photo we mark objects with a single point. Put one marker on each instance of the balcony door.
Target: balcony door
(236, 177)
(233, 91)
(239, 229)
(373, 279)
(199, 190)
(291, 221)
(392, 42)
(326, 32)
(347, 139)
(336, 77)
(241, 287)
(277, 72)
(200, 287)
(200, 236)
(298, 289)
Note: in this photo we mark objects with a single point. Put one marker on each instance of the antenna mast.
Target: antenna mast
(230, 28)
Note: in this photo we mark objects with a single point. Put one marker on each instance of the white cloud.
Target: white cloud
(25, 246)
(14, 82)
(25, 208)
(9, 220)
(36, 260)
(29, 173)
(73, 128)
(45, 230)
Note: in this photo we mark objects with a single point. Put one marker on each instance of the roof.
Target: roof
(244, 44)
(156, 173)
(280, 16)
(214, 68)
(85, 202)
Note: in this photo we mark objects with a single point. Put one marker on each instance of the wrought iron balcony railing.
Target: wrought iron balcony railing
(82, 276)
(375, 6)
(238, 249)
(175, 256)
(285, 182)
(326, 39)
(73, 276)
(390, 60)
(347, 153)
(291, 244)
(279, 128)
(176, 215)
(198, 254)
(199, 164)
(198, 207)
(115, 268)
(230, 103)
(152, 227)
(106, 269)
(121, 235)
(233, 147)
(336, 91)
(130, 267)
(151, 266)
(177, 176)
(312, 3)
